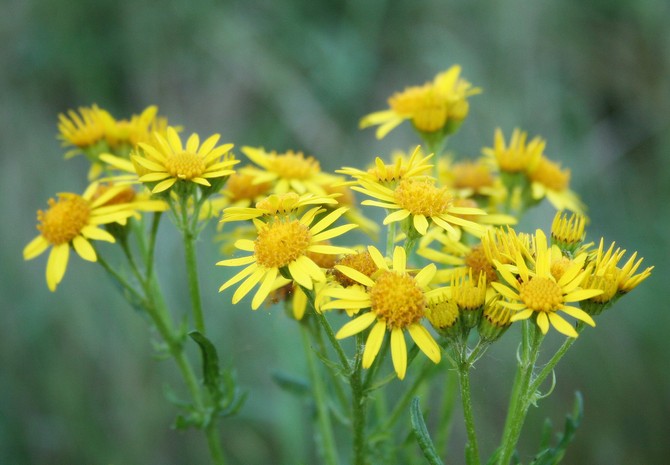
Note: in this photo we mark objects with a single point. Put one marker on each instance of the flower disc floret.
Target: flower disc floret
(185, 165)
(549, 174)
(281, 242)
(64, 219)
(422, 198)
(541, 294)
(397, 299)
(293, 165)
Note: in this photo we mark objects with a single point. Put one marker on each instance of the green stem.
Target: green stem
(549, 367)
(521, 393)
(344, 361)
(472, 448)
(358, 405)
(193, 282)
(214, 443)
(390, 237)
(319, 392)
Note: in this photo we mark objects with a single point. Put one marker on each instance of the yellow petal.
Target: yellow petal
(57, 264)
(425, 341)
(35, 247)
(579, 314)
(248, 284)
(98, 234)
(163, 185)
(265, 289)
(562, 326)
(396, 216)
(543, 322)
(239, 276)
(192, 143)
(356, 325)
(373, 343)
(421, 224)
(378, 258)
(399, 259)
(355, 275)
(84, 249)
(399, 352)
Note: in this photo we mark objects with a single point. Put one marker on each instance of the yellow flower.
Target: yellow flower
(289, 171)
(403, 167)
(397, 301)
(276, 205)
(538, 293)
(283, 246)
(518, 156)
(74, 220)
(83, 129)
(421, 200)
(133, 131)
(168, 161)
(548, 180)
(431, 107)
(568, 231)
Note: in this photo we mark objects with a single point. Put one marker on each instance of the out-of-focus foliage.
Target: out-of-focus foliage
(78, 384)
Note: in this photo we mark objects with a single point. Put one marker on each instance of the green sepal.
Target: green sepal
(421, 434)
(554, 455)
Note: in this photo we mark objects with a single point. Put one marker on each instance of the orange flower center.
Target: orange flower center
(293, 165)
(281, 243)
(185, 165)
(422, 198)
(240, 187)
(361, 261)
(397, 299)
(64, 219)
(541, 294)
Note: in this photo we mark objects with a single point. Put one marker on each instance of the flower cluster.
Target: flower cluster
(452, 259)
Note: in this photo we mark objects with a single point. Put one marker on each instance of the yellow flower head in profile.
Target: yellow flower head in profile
(132, 131)
(288, 171)
(74, 220)
(283, 246)
(519, 155)
(397, 301)
(550, 181)
(403, 167)
(430, 107)
(276, 206)
(83, 129)
(423, 202)
(538, 293)
(167, 161)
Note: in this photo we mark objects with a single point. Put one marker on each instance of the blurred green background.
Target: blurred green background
(78, 384)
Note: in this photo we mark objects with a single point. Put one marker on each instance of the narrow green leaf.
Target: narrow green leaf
(421, 434)
(210, 363)
(292, 384)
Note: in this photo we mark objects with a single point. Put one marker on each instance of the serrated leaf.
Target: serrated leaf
(210, 363)
(421, 434)
(553, 455)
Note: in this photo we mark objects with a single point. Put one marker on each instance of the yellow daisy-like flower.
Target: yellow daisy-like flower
(288, 171)
(283, 246)
(519, 155)
(538, 293)
(431, 107)
(397, 301)
(133, 131)
(548, 180)
(74, 220)
(276, 205)
(168, 161)
(403, 167)
(83, 129)
(421, 200)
